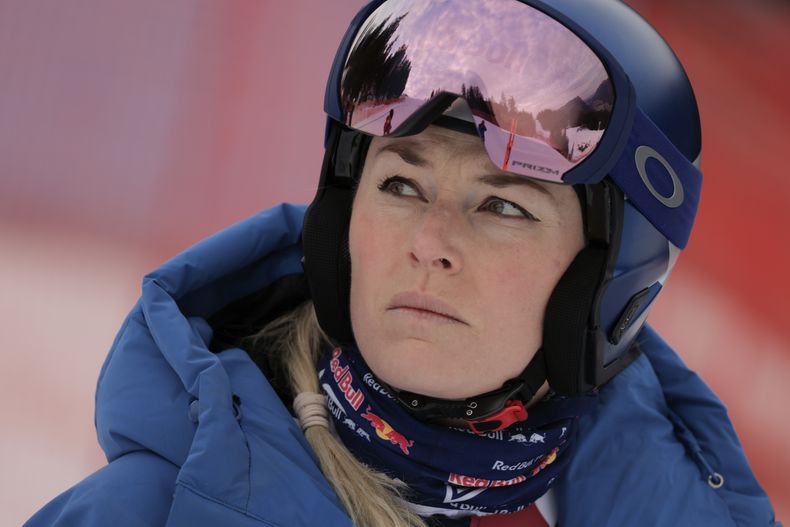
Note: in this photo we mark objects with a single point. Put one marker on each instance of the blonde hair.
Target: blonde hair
(292, 345)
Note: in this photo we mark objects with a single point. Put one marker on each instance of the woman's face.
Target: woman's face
(453, 262)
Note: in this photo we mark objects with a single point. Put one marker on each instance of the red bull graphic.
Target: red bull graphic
(548, 460)
(344, 378)
(386, 432)
(471, 481)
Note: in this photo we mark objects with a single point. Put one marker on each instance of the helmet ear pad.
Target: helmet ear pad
(565, 327)
(327, 261)
(575, 353)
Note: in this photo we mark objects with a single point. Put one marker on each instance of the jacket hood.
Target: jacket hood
(161, 389)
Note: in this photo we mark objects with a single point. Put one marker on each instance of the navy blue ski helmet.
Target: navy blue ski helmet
(629, 141)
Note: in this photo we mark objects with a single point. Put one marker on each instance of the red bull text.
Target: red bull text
(471, 481)
(344, 378)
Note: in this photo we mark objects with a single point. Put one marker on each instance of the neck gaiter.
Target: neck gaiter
(450, 471)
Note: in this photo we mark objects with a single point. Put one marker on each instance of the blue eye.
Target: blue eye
(506, 209)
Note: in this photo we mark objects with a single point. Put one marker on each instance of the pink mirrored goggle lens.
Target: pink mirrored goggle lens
(540, 98)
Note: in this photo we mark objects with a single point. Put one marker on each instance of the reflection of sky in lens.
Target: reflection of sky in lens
(516, 51)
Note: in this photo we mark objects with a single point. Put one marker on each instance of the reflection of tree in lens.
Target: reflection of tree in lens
(600, 103)
(373, 71)
(507, 111)
(559, 141)
(502, 113)
(592, 113)
(478, 103)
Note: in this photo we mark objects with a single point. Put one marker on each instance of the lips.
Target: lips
(426, 304)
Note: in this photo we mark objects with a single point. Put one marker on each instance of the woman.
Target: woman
(456, 335)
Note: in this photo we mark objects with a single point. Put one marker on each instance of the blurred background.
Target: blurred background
(131, 129)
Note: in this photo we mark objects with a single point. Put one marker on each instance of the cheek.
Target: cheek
(365, 241)
(359, 238)
(518, 289)
(371, 256)
(360, 246)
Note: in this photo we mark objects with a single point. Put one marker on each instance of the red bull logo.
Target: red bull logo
(386, 432)
(548, 460)
(343, 378)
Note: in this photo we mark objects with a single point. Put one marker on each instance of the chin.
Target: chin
(432, 379)
(409, 364)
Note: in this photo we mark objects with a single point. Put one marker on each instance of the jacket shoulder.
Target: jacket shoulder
(133, 490)
(702, 424)
(646, 453)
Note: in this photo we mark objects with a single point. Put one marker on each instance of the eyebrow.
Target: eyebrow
(409, 151)
(507, 180)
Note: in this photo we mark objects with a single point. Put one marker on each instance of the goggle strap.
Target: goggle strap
(647, 163)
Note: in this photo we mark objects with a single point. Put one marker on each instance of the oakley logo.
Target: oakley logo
(643, 154)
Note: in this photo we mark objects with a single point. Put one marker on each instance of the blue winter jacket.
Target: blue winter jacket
(196, 438)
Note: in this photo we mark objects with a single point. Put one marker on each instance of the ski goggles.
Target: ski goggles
(546, 99)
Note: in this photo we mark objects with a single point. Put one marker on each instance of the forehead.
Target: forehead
(431, 144)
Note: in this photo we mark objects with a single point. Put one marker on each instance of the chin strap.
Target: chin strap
(488, 412)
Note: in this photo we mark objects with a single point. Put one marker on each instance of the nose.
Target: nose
(435, 242)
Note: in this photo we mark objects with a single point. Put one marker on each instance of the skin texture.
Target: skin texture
(490, 253)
